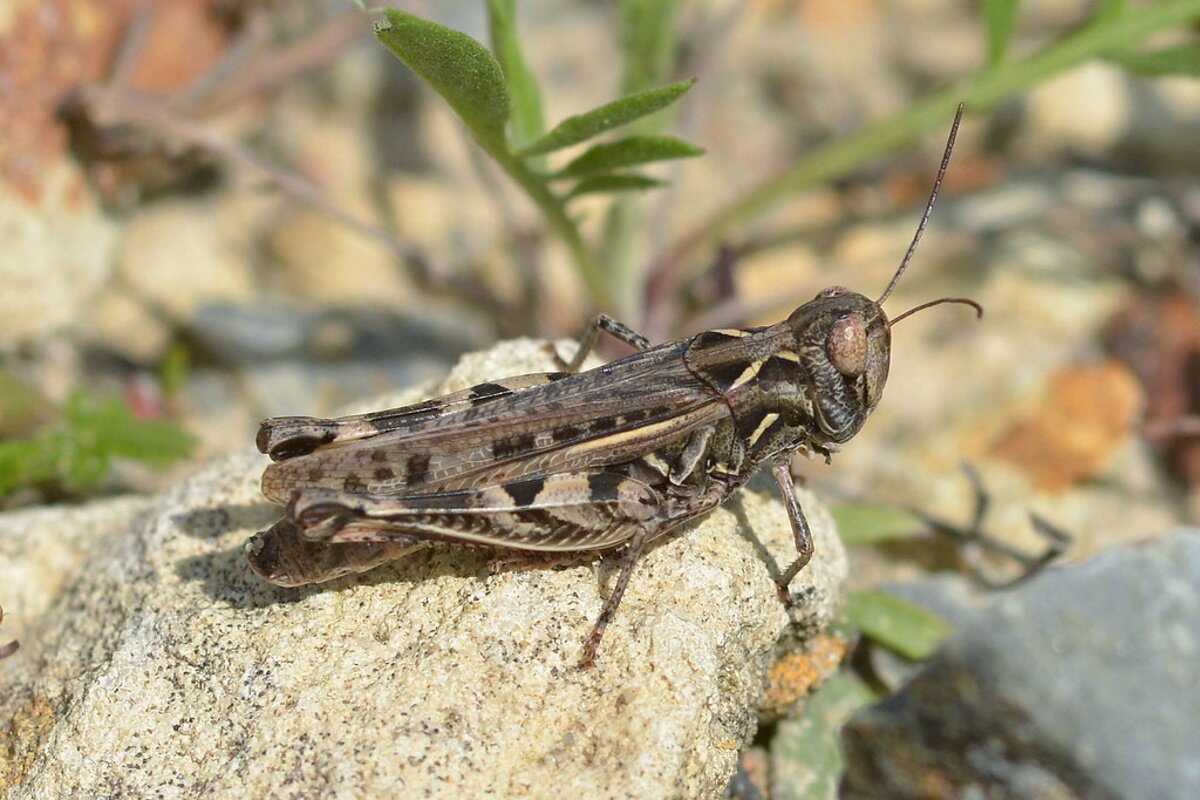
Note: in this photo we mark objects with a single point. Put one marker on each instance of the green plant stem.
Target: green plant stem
(980, 92)
(555, 212)
(623, 223)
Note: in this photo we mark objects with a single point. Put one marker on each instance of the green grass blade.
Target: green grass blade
(862, 524)
(1000, 18)
(1181, 61)
(1107, 9)
(649, 37)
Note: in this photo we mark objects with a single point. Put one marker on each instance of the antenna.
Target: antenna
(964, 301)
(937, 185)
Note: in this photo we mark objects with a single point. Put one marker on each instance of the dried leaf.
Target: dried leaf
(1086, 413)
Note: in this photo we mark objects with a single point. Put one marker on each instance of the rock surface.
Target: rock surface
(1080, 684)
(157, 664)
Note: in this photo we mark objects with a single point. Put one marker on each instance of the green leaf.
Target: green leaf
(614, 182)
(896, 623)
(527, 123)
(82, 464)
(582, 127)
(118, 432)
(806, 752)
(1183, 61)
(1000, 17)
(861, 524)
(24, 462)
(77, 450)
(459, 68)
(627, 153)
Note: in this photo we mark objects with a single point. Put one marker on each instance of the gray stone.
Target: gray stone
(1082, 683)
(164, 667)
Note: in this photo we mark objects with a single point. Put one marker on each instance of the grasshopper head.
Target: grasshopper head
(844, 340)
(844, 344)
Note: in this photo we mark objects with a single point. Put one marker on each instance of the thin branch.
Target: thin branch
(284, 64)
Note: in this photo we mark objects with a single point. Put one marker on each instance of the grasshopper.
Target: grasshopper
(575, 462)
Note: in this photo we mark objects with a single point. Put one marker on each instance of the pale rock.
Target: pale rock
(173, 255)
(330, 263)
(56, 255)
(159, 665)
(1087, 110)
(776, 275)
(120, 322)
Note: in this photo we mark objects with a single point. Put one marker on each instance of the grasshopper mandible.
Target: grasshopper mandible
(575, 462)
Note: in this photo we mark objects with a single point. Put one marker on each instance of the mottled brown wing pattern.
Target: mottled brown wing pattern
(521, 433)
(288, 437)
(569, 511)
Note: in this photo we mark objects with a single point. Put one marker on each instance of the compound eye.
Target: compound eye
(846, 345)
